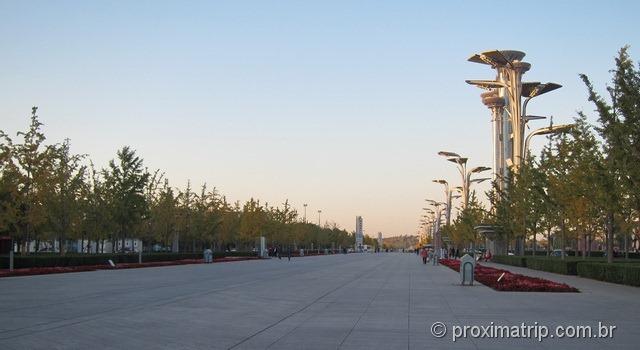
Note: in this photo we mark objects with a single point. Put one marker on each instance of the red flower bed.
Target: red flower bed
(45, 270)
(50, 270)
(510, 282)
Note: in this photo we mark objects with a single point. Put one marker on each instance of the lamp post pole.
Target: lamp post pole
(305, 212)
(319, 212)
(447, 195)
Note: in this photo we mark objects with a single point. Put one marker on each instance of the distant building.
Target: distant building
(359, 234)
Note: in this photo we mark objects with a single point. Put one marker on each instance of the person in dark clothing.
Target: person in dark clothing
(289, 253)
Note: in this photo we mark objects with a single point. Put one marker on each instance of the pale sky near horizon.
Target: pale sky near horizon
(339, 104)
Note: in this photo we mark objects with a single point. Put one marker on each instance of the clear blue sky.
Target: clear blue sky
(339, 104)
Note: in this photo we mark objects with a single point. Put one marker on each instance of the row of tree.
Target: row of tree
(48, 195)
(585, 184)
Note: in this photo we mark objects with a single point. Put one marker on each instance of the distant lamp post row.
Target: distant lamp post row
(465, 189)
(437, 234)
(305, 214)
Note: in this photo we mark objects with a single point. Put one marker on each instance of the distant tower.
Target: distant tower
(359, 234)
(380, 240)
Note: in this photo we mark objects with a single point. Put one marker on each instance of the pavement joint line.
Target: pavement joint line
(302, 309)
(302, 323)
(409, 311)
(224, 318)
(475, 345)
(87, 318)
(365, 310)
(120, 292)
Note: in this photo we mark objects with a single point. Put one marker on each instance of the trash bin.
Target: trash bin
(208, 256)
(467, 267)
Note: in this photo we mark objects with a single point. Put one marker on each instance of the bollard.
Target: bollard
(140, 256)
(467, 266)
(11, 260)
(208, 256)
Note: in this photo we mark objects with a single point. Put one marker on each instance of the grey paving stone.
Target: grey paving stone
(355, 301)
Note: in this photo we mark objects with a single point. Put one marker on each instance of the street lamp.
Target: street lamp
(447, 194)
(305, 212)
(466, 178)
(461, 162)
(505, 98)
(319, 212)
(554, 129)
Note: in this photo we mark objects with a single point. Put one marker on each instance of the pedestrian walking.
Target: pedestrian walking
(289, 254)
(423, 254)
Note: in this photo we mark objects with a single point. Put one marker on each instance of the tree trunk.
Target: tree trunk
(562, 228)
(548, 241)
(626, 246)
(535, 240)
(609, 225)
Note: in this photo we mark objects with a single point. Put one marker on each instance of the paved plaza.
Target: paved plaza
(354, 301)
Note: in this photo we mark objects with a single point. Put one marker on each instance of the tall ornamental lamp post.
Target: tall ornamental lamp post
(319, 212)
(447, 194)
(461, 163)
(509, 86)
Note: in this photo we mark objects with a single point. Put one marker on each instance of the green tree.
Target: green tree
(126, 179)
(63, 195)
(97, 215)
(32, 159)
(619, 127)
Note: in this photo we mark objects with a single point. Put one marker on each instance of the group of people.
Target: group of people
(427, 254)
(277, 252)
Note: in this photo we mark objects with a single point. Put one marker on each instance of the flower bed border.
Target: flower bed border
(511, 282)
(122, 266)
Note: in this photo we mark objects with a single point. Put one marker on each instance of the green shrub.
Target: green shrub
(510, 260)
(557, 265)
(538, 253)
(621, 273)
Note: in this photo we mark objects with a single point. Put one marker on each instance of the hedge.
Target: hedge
(557, 265)
(538, 253)
(510, 260)
(49, 260)
(628, 274)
